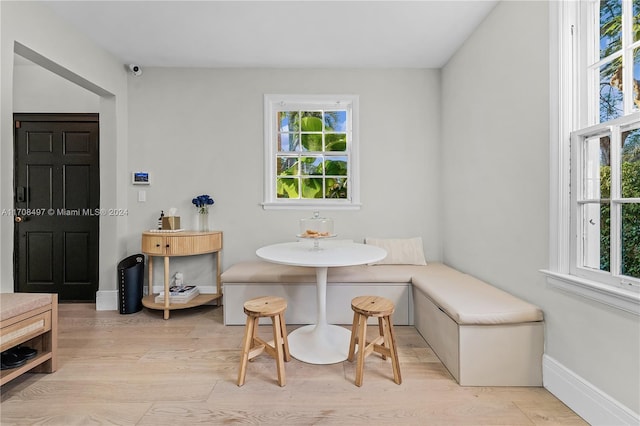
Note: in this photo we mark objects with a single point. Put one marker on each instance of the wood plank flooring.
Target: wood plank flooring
(139, 369)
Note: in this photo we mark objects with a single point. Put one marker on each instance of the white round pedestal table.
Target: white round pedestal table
(321, 343)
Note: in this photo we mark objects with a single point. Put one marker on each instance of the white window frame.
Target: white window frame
(614, 130)
(274, 103)
(567, 111)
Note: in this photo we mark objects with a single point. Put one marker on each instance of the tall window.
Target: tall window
(598, 151)
(606, 179)
(310, 151)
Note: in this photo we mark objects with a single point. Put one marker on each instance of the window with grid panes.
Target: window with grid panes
(310, 151)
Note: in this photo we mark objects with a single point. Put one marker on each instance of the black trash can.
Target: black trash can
(130, 282)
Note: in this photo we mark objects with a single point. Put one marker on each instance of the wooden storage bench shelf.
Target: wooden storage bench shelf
(29, 319)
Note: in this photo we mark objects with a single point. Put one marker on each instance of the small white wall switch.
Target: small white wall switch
(142, 196)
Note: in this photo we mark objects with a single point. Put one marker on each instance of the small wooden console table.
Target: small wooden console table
(183, 243)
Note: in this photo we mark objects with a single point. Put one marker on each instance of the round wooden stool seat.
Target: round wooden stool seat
(373, 306)
(266, 306)
(252, 345)
(385, 344)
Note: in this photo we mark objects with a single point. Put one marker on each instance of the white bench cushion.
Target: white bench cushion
(258, 271)
(468, 300)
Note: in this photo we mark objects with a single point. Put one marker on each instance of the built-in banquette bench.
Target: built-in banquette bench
(29, 319)
(483, 335)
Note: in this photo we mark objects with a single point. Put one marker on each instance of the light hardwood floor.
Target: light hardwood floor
(139, 369)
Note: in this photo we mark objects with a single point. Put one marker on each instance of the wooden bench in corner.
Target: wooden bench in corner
(482, 334)
(29, 319)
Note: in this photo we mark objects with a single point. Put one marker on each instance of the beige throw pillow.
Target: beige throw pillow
(400, 251)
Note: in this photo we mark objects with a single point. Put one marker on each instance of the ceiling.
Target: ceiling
(278, 34)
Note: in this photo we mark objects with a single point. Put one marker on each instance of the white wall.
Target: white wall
(34, 32)
(201, 131)
(37, 90)
(495, 153)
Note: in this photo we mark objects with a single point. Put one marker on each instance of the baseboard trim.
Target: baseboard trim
(107, 300)
(589, 402)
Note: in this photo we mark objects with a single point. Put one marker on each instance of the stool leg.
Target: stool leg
(254, 334)
(381, 332)
(354, 336)
(390, 340)
(246, 347)
(283, 329)
(362, 343)
(279, 347)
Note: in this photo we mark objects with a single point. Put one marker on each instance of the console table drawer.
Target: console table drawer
(153, 244)
(196, 244)
(182, 243)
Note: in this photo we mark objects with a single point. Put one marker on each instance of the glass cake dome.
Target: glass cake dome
(316, 227)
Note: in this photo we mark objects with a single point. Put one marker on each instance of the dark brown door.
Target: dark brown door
(57, 200)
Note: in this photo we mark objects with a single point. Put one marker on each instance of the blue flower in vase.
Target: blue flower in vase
(202, 203)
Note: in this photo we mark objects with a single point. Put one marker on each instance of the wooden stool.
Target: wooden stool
(385, 344)
(252, 346)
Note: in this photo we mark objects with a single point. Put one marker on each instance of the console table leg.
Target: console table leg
(166, 287)
(150, 292)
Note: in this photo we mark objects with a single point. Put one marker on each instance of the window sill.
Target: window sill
(625, 300)
(310, 206)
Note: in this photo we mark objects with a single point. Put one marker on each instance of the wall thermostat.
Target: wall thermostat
(140, 178)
